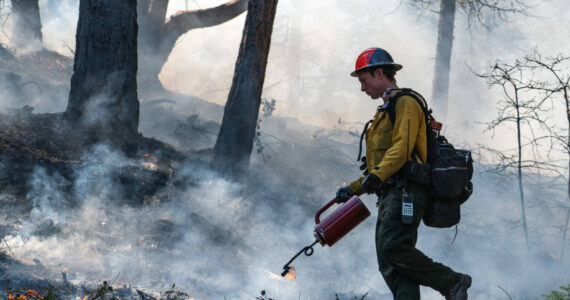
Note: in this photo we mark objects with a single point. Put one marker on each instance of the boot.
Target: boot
(459, 290)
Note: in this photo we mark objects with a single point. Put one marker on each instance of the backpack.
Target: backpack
(447, 172)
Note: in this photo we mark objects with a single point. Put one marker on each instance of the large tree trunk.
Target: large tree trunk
(158, 34)
(103, 97)
(235, 140)
(443, 58)
(26, 26)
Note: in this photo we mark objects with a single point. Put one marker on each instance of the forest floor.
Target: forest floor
(49, 172)
(159, 222)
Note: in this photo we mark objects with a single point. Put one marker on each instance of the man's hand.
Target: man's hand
(371, 183)
(343, 194)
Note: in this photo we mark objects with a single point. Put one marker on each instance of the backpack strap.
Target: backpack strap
(380, 109)
(362, 138)
(408, 92)
(421, 101)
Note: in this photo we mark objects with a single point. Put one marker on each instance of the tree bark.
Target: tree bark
(235, 140)
(159, 34)
(27, 26)
(443, 57)
(103, 97)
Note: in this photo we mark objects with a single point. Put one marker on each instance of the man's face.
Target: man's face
(373, 86)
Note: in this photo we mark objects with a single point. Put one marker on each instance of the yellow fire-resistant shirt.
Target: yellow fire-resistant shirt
(389, 146)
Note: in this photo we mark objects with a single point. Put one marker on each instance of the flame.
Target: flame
(28, 294)
(150, 166)
(147, 155)
(291, 274)
(84, 298)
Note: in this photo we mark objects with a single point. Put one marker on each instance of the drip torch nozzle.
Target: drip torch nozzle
(308, 252)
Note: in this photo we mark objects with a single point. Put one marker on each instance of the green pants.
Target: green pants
(403, 266)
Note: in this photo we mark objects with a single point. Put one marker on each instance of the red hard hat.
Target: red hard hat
(373, 57)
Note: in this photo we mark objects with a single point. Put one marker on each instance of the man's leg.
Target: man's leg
(401, 287)
(395, 244)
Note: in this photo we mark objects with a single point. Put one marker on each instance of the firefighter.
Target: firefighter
(388, 147)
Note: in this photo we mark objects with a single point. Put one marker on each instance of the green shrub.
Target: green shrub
(562, 294)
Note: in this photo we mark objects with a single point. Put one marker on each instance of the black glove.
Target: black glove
(343, 194)
(371, 183)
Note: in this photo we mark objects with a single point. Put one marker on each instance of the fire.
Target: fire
(291, 274)
(32, 295)
(150, 166)
(27, 295)
(147, 155)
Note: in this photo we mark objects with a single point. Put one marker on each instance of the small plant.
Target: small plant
(267, 108)
(263, 296)
(173, 294)
(562, 294)
(355, 298)
(103, 289)
(50, 295)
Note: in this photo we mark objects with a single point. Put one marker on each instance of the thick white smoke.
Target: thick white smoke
(216, 238)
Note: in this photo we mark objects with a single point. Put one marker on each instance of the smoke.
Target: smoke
(216, 238)
(59, 21)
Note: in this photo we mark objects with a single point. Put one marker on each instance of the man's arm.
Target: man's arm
(356, 186)
(406, 128)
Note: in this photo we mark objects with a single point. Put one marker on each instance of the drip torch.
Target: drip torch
(335, 226)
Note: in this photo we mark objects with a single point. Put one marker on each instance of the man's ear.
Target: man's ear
(379, 73)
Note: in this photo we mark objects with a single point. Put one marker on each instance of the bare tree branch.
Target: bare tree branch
(182, 21)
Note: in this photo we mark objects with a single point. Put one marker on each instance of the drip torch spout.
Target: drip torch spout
(308, 252)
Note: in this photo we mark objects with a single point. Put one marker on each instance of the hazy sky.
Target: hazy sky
(315, 44)
(309, 76)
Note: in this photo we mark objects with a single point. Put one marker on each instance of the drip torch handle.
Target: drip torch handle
(322, 210)
(308, 252)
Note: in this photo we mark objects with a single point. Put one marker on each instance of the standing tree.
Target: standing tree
(235, 140)
(477, 12)
(560, 83)
(103, 97)
(521, 106)
(159, 34)
(26, 26)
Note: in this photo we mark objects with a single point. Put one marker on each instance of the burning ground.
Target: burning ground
(163, 216)
(74, 217)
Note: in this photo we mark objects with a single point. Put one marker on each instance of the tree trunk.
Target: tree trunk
(26, 26)
(443, 58)
(235, 140)
(564, 236)
(158, 34)
(521, 191)
(567, 101)
(103, 97)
